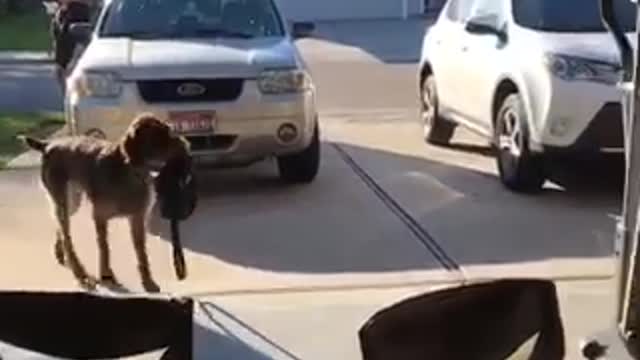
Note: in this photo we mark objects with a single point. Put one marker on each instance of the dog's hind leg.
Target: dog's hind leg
(70, 256)
(74, 199)
(139, 237)
(62, 214)
(58, 249)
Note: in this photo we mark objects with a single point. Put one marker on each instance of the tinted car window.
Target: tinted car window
(489, 9)
(459, 10)
(192, 18)
(570, 15)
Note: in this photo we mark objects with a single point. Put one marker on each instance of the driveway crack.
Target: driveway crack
(420, 233)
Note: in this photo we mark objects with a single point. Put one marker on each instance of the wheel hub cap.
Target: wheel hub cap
(510, 138)
(428, 108)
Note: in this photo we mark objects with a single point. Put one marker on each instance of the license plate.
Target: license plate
(193, 122)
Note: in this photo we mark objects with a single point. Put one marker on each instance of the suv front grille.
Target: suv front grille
(190, 90)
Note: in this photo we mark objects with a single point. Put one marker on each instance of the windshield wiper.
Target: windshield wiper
(219, 32)
(135, 34)
(216, 32)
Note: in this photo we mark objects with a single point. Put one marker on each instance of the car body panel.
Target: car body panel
(442, 44)
(145, 59)
(482, 63)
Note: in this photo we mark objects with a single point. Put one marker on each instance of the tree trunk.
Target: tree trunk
(4, 7)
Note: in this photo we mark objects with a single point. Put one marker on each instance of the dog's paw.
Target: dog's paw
(108, 277)
(88, 283)
(109, 280)
(151, 286)
(114, 286)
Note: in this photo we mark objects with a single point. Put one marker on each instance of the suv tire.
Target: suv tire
(520, 169)
(302, 167)
(437, 130)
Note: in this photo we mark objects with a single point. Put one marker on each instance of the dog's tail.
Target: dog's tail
(35, 144)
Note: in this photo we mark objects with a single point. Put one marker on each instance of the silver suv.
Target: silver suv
(226, 74)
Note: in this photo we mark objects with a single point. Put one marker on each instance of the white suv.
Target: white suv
(536, 77)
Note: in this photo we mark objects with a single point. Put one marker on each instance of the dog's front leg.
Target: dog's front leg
(139, 237)
(104, 255)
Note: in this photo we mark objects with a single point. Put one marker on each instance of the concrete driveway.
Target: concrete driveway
(330, 254)
(292, 272)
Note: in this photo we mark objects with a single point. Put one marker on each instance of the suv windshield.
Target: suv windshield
(191, 18)
(561, 15)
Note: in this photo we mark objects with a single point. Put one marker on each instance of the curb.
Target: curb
(26, 61)
(31, 159)
(13, 58)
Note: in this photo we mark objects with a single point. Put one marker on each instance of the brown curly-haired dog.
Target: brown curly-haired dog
(116, 178)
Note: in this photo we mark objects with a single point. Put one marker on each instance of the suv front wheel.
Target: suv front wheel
(437, 130)
(520, 169)
(302, 167)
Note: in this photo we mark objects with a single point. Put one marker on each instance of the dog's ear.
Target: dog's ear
(149, 137)
(146, 134)
(130, 148)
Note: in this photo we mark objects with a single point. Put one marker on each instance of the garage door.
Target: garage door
(342, 9)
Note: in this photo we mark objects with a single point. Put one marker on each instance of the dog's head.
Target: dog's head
(150, 141)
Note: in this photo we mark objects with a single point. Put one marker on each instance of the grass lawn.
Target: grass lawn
(25, 32)
(12, 124)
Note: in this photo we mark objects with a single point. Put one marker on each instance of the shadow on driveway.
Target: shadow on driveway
(337, 225)
(249, 218)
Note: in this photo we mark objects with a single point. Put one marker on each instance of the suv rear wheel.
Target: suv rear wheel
(302, 167)
(520, 169)
(437, 130)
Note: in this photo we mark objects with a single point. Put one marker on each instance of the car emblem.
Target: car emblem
(191, 89)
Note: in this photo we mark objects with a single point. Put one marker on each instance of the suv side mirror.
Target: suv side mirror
(51, 7)
(483, 25)
(302, 29)
(81, 31)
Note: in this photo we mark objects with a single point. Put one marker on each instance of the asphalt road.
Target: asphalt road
(28, 88)
(387, 217)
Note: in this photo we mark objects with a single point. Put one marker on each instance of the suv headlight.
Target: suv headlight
(572, 68)
(98, 84)
(283, 81)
